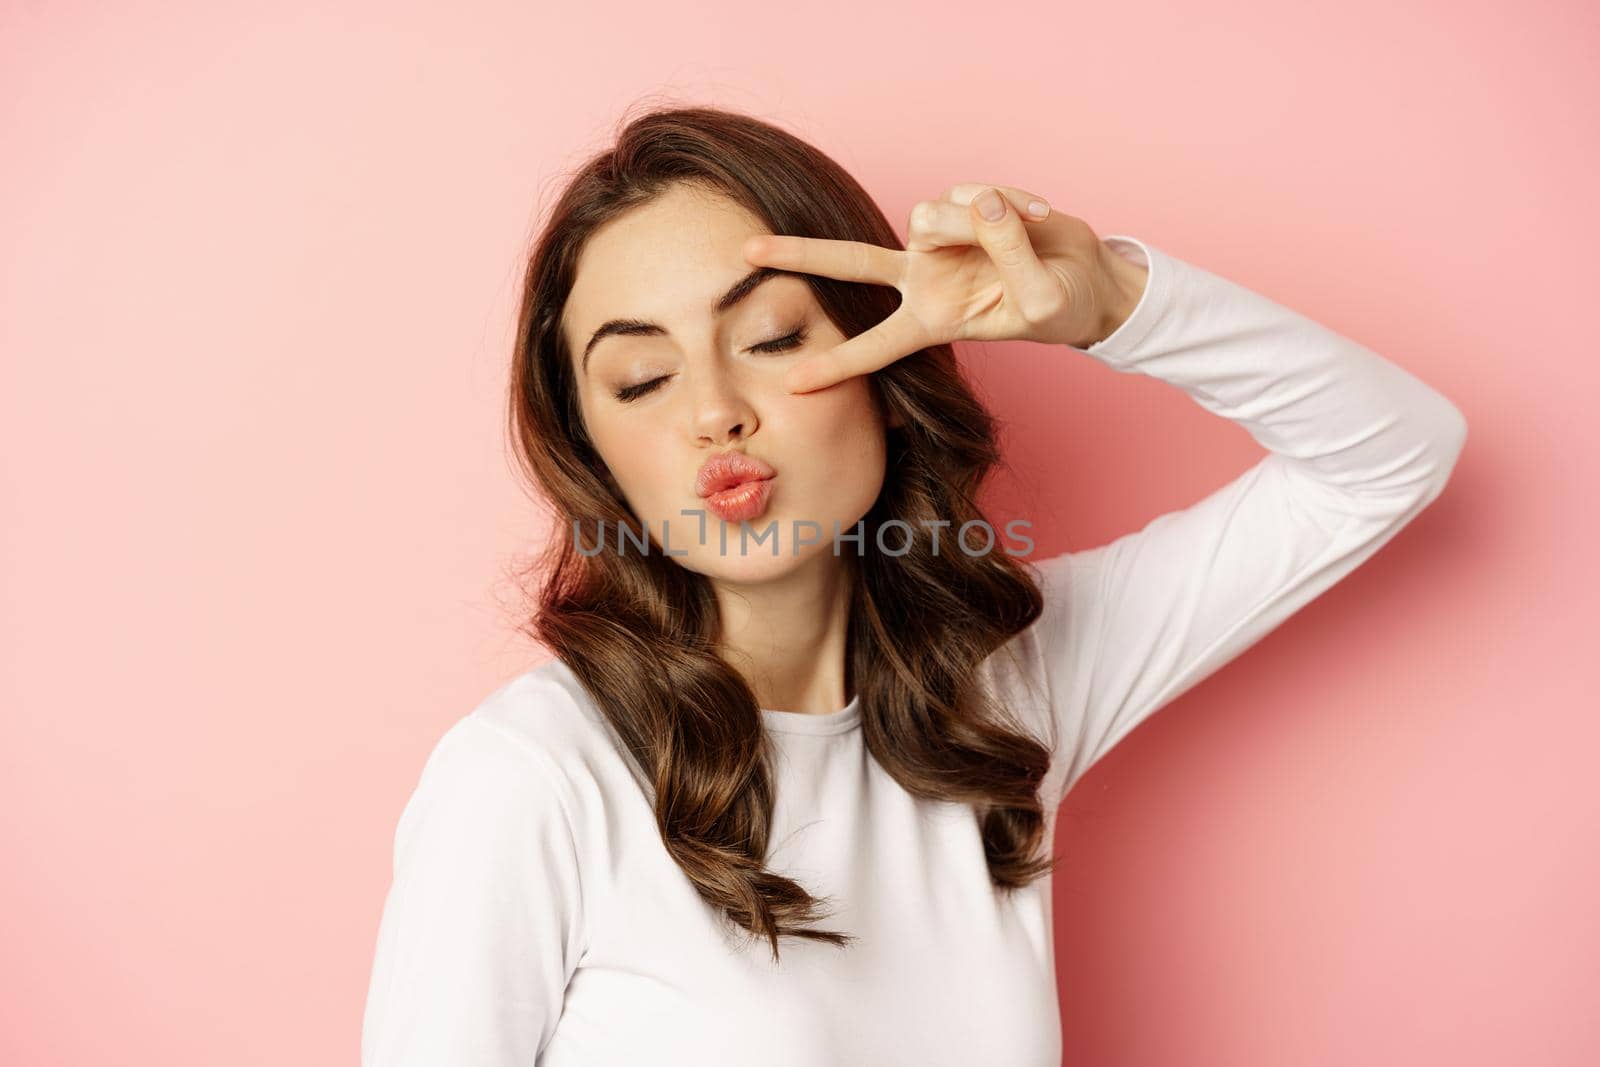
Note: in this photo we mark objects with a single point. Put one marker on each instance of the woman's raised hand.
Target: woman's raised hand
(964, 277)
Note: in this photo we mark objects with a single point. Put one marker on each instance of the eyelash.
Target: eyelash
(777, 344)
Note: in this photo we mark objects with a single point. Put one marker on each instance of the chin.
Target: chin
(758, 561)
(751, 570)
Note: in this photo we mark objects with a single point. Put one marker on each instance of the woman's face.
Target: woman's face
(659, 400)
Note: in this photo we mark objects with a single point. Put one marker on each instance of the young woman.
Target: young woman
(787, 801)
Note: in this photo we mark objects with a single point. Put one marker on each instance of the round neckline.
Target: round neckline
(801, 722)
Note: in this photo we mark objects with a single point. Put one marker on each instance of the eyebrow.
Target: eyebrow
(642, 328)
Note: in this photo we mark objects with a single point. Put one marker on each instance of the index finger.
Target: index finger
(851, 261)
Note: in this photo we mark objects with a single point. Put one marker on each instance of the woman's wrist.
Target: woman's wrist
(1124, 281)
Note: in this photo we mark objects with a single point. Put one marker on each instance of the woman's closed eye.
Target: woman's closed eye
(782, 344)
(788, 341)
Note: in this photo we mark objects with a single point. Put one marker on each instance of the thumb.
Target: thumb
(1028, 285)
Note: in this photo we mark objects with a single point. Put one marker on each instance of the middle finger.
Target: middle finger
(964, 193)
(895, 337)
(947, 224)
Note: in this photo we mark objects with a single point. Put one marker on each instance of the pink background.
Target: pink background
(259, 271)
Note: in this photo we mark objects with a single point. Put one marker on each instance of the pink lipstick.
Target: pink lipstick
(736, 487)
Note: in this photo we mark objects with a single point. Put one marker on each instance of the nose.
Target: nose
(721, 412)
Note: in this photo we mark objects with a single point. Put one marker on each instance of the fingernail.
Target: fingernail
(990, 205)
(1038, 208)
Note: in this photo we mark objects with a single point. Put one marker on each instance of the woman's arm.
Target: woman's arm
(1357, 448)
(483, 923)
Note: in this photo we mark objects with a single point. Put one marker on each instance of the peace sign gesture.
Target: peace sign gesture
(964, 276)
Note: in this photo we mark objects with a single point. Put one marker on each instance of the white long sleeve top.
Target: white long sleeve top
(534, 916)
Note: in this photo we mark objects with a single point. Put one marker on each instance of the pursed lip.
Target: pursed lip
(725, 470)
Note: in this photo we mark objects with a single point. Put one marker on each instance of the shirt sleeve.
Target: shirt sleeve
(482, 925)
(1356, 448)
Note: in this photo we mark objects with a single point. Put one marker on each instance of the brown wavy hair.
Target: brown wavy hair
(639, 630)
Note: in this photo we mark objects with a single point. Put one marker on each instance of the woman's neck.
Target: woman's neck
(787, 637)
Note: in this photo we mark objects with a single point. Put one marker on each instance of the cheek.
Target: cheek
(847, 435)
(851, 413)
(630, 449)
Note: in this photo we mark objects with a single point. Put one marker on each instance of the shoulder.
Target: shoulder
(546, 713)
(1068, 592)
(1035, 674)
(537, 736)
(490, 862)
(1069, 587)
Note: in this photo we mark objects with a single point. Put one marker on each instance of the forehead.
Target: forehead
(673, 255)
